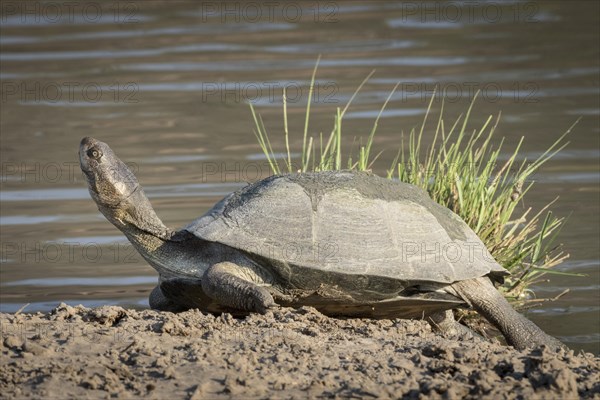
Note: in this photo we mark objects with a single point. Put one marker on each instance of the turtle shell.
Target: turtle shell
(349, 223)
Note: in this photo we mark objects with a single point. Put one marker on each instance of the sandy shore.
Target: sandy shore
(111, 352)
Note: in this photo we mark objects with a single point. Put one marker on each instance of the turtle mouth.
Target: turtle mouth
(124, 200)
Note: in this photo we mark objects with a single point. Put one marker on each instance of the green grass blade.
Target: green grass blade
(307, 118)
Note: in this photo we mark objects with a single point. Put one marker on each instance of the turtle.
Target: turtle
(350, 244)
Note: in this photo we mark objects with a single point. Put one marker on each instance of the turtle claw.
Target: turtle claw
(264, 302)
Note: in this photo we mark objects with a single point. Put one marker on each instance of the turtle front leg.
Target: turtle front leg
(229, 285)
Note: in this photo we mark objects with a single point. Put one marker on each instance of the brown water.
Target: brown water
(166, 85)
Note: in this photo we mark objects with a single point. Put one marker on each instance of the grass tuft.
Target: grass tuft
(461, 170)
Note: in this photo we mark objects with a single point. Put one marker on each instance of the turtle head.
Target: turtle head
(110, 182)
(116, 190)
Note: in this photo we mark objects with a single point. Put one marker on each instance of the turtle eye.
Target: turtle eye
(94, 153)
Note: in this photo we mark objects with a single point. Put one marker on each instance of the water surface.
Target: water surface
(166, 85)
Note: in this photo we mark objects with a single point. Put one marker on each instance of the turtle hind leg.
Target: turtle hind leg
(230, 285)
(445, 323)
(518, 330)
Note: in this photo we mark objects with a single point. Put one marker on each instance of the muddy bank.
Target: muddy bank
(111, 352)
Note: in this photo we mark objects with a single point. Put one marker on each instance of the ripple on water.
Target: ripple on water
(41, 56)
(83, 240)
(104, 281)
(199, 29)
(387, 113)
(575, 178)
(407, 23)
(256, 65)
(180, 190)
(556, 311)
(564, 154)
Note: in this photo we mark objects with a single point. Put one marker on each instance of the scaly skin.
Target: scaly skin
(518, 330)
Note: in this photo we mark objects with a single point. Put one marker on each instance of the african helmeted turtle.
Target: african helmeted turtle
(346, 243)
